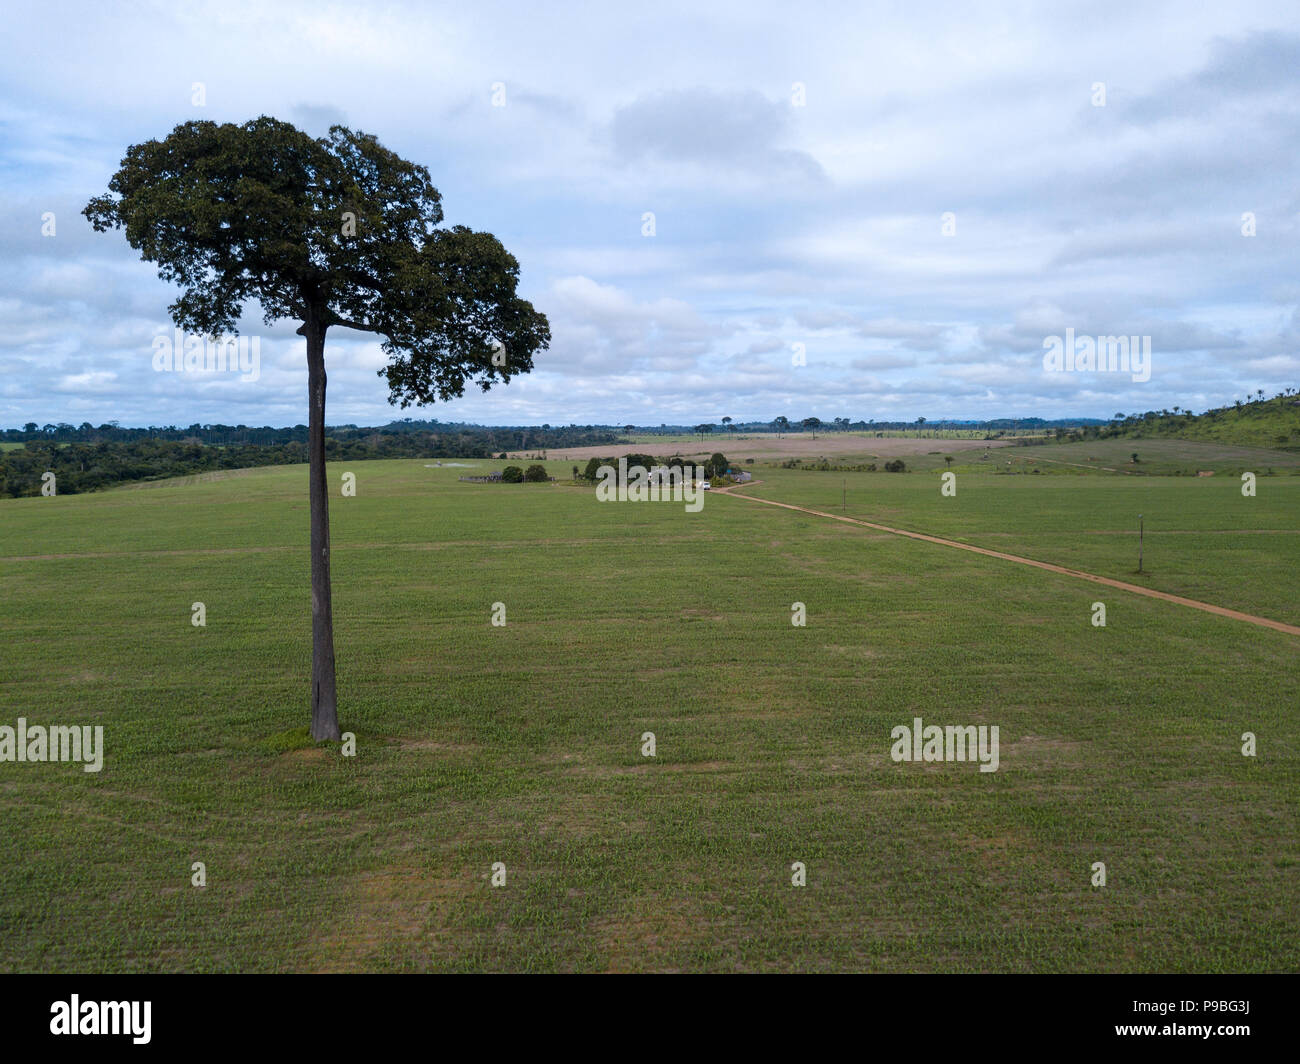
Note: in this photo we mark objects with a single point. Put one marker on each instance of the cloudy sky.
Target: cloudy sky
(908, 198)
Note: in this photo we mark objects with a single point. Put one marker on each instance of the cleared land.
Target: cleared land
(521, 744)
(759, 446)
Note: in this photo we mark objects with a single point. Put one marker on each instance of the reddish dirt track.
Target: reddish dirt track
(1136, 589)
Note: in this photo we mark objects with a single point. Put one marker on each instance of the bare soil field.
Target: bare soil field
(755, 445)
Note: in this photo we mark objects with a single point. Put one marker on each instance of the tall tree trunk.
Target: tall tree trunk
(324, 700)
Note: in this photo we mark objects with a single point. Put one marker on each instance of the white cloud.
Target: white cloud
(775, 223)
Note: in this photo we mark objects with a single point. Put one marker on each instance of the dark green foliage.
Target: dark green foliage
(338, 230)
(82, 467)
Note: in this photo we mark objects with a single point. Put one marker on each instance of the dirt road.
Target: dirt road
(1136, 589)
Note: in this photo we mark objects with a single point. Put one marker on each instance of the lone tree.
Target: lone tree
(325, 231)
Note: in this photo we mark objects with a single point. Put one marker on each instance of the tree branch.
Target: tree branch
(336, 320)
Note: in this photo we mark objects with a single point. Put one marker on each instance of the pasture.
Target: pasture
(522, 744)
(1156, 455)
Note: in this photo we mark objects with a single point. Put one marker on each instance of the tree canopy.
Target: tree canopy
(339, 230)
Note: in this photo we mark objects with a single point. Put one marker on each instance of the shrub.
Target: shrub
(896, 466)
(593, 468)
(535, 474)
(512, 474)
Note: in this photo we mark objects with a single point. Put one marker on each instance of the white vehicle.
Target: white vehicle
(704, 485)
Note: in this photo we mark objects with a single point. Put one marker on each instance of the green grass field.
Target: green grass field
(1202, 538)
(1155, 456)
(1265, 423)
(521, 744)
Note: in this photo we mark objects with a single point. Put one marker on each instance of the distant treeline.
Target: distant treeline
(1266, 422)
(843, 424)
(497, 439)
(1258, 421)
(488, 438)
(88, 466)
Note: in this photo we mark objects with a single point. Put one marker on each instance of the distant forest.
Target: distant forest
(492, 438)
(496, 439)
(84, 458)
